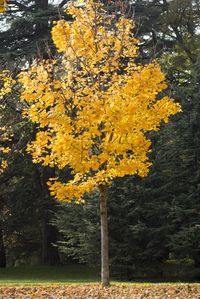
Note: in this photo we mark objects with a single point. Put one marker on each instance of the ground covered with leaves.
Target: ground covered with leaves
(155, 291)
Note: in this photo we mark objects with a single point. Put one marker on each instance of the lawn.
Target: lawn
(82, 282)
(48, 275)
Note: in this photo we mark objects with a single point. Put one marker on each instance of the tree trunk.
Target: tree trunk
(42, 28)
(49, 233)
(41, 4)
(50, 254)
(196, 258)
(105, 277)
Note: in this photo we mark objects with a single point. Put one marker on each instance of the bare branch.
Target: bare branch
(62, 3)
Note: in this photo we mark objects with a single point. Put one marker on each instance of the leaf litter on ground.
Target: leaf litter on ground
(154, 291)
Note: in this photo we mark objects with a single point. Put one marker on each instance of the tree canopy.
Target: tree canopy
(96, 106)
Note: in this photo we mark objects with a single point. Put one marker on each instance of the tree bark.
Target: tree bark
(49, 233)
(50, 255)
(42, 24)
(41, 4)
(105, 276)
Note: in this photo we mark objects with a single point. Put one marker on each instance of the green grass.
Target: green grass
(71, 274)
(49, 275)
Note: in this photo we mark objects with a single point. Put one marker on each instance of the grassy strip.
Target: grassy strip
(66, 275)
(49, 275)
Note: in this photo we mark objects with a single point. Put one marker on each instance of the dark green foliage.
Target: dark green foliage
(138, 236)
(79, 229)
(25, 198)
(185, 241)
(25, 31)
(26, 205)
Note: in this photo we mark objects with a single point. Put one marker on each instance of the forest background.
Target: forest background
(154, 222)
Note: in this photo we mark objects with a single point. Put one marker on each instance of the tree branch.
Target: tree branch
(62, 3)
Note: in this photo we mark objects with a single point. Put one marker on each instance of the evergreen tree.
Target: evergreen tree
(79, 229)
(25, 31)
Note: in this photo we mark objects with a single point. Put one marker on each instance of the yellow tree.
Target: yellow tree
(94, 106)
(6, 83)
(3, 6)
(3, 150)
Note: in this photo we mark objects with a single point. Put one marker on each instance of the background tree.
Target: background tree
(79, 241)
(25, 30)
(173, 181)
(24, 185)
(25, 35)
